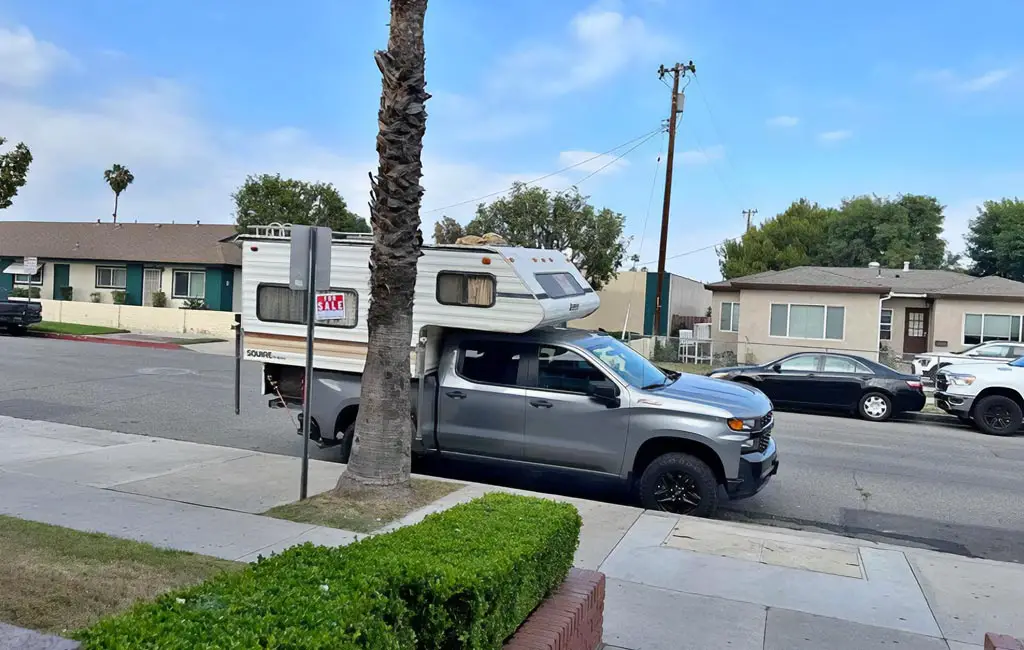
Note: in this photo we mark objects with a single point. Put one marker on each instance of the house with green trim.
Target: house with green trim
(628, 303)
(97, 262)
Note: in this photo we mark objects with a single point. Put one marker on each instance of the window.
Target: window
(980, 328)
(465, 289)
(111, 277)
(801, 363)
(566, 371)
(997, 351)
(885, 325)
(807, 321)
(559, 285)
(490, 362)
(189, 284)
(623, 360)
(845, 365)
(730, 317)
(21, 278)
(277, 303)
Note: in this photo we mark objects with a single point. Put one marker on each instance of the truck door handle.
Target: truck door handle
(456, 394)
(541, 403)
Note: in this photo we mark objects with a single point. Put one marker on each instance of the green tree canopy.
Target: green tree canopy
(995, 239)
(13, 170)
(533, 217)
(863, 229)
(118, 177)
(447, 230)
(268, 198)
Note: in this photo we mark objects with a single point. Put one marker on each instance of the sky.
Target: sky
(793, 99)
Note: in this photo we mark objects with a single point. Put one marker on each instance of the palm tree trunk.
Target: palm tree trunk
(116, 196)
(381, 449)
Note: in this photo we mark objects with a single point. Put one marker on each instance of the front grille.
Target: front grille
(941, 381)
(764, 441)
(765, 421)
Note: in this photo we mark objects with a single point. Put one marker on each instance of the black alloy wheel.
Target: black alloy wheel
(998, 415)
(680, 484)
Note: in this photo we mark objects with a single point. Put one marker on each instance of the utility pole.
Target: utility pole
(676, 71)
(749, 214)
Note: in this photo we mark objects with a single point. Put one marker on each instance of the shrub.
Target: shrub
(35, 292)
(67, 293)
(194, 303)
(19, 292)
(119, 297)
(463, 578)
(159, 299)
(96, 296)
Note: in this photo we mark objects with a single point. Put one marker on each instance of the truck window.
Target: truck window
(465, 289)
(277, 303)
(559, 285)
(489, 362)
(564, 370)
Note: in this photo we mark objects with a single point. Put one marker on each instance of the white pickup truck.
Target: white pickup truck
(994, 352)
(989, 396)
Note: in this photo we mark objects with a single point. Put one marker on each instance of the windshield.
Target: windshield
(973, 347)
(624, 361)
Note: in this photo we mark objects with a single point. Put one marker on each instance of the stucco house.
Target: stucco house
(94, 260)
(862, 310)
(635, 293)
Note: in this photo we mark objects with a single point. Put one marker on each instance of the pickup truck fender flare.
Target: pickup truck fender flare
(640, 451)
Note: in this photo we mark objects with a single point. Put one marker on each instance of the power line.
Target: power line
(701, 249)
(714, 122)
(644, 137)
(615, 160)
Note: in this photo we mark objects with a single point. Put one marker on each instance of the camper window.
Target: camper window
(559, 285)
(277, 303)
(465, 289)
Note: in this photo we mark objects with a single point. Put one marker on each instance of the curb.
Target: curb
(98, 339)
(931, 417)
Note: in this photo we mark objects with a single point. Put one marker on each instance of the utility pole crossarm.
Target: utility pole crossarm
(748, 214)
(677, 71)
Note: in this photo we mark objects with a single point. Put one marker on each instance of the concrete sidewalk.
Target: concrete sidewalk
(673, 582)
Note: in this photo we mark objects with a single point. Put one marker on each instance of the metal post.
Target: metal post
(308, 384)
(238, 363)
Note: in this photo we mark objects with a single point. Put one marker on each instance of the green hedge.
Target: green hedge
(463, 578)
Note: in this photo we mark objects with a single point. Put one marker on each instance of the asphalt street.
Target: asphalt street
(937, 486)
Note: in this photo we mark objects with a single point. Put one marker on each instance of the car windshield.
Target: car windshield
(624, 361)
(973, 347)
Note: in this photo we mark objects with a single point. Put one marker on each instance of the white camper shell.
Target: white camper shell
(487, 288)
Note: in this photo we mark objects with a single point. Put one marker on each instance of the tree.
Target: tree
(381, 451)
(536, 218)
(118, 178)
(995, 239)
(13, 171)
(447, 231)
(268, 198)
(794, 237)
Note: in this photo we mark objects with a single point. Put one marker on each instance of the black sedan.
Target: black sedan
(832, 381)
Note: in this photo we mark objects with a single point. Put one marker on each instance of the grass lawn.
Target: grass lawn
(58, 580)
(692, 368)
(50, 327)
(366, 512)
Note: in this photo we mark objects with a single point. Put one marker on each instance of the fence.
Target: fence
(141, 319)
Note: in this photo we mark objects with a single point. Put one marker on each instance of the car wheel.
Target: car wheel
(997, 415)
(875, 407)
(681, 484)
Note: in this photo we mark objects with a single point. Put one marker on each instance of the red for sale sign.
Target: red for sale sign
(330, 306)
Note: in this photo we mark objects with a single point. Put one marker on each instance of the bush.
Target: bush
(96, 296)
(159, 299)
(35, 292)
(19, 292)
(463, 578)
(67, 293)
(194, 303)
(119, 297)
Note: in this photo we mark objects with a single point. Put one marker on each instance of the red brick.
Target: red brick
(1002, 642)
(571, 619)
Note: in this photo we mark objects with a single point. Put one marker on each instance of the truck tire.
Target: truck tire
(875, 407)
(681, 484)
(17, 330)
(998, 415)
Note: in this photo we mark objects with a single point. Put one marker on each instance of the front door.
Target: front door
(61, 280)
(915, 331)
(152, 281)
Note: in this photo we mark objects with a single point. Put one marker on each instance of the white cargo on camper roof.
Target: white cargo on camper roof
(516, 290)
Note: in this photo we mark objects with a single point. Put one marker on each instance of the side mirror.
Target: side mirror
(605, 393)
(777, 367)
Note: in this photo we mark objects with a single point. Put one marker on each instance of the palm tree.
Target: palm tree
(381, 448)
(118, 178)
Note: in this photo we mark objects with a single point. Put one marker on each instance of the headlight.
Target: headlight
(718, 375)
(960, 379)
(737, 424)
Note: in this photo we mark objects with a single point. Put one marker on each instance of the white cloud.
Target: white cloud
(592, 162)
(702, 156)
(835, 136)
(26, 61)
(783, 121)
(474, 120)
(601, 43)
(953, 82)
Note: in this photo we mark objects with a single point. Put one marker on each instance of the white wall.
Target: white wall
(141, 319)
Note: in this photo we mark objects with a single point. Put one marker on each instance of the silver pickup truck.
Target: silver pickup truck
(571, 400)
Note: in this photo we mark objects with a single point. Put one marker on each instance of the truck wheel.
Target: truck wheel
(681, 484)
(346, 444)
(875, 407)
(997, 415)
(17, 330)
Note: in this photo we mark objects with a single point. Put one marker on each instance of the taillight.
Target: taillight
(916, 385)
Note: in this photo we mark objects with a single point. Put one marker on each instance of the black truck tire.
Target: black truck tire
(681, 484)
(17, 330)
(998, 415)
